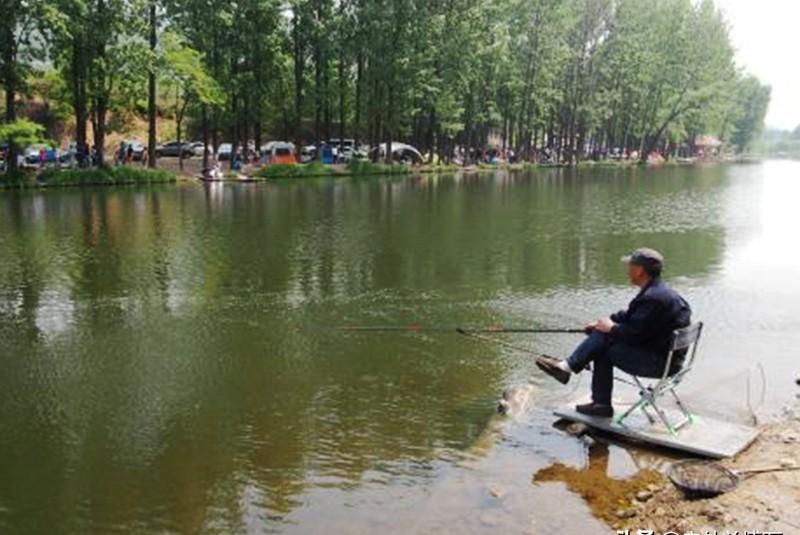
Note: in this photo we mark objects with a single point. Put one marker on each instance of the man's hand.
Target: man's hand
(589, 328)
(604, 325)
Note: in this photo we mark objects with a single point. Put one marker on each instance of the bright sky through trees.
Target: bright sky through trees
(765, 35)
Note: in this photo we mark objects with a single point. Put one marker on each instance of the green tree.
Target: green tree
(750, 109)
(19, 134)
(18, 47)
(184, 73)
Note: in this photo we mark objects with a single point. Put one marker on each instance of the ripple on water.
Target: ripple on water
(172, 357)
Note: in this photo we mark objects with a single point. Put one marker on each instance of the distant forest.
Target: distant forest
(573, 77)
(779, 143)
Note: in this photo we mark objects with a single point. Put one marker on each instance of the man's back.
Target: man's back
(652, 317)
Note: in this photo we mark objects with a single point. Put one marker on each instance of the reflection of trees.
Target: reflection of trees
(445, 234)
(21, 298)
(199, 372)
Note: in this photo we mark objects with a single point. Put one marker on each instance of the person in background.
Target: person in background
(120, 155)
(80, 154)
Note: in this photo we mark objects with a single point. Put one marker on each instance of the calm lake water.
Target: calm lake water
(170, 362)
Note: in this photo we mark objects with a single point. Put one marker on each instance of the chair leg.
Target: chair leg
(687, 415)
(645, 398)
(639, 404)
(663, 417)
(648, 397)
(650, 417)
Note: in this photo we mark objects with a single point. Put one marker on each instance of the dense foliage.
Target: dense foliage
(569, 78)
(97, 176)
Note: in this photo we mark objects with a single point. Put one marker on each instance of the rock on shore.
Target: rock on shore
(765, 502)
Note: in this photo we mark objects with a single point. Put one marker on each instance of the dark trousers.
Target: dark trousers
(604, 354)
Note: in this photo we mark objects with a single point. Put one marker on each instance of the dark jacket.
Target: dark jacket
(652, 316)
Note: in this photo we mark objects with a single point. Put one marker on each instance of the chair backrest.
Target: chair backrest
(686, 339)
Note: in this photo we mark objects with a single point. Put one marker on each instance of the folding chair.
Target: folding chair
(683, 341)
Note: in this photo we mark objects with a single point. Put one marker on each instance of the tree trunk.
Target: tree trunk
(357, 118)
(99, 128)
(341, 97)
(181, 111)
(10, 79)
(390, 125)
(299, 64)
(234, 131)
(317, 96)
(326, 101)
(151, 93)
(205, 137)
(431, 129)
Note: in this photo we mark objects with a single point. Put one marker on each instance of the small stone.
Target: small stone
(644, 495)
(496, 491)
(787, 463)
(588, 441)
(659, 511)
(625, 513)
(652, 487)
(713, 512)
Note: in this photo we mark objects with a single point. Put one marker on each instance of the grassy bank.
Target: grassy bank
(316, 169)
(87, 177)
(367, 168)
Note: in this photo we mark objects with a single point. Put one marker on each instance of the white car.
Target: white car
(197, 147)
(224, 151)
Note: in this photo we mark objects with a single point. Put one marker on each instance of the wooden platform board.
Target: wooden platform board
(707, 437)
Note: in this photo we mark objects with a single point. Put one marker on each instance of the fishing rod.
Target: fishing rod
(493, 329)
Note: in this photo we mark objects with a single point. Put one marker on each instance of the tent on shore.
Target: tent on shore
(401, 152)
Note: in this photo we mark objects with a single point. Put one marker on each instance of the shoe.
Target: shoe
(594, 409)
(550, 366)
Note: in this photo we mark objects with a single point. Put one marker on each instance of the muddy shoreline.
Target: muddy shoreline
(648, 501)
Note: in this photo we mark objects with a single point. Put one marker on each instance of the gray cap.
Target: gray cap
(646, 257)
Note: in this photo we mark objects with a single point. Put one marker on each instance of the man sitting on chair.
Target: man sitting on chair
(636, 340)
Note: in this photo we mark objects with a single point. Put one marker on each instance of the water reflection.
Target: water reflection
(169, 362)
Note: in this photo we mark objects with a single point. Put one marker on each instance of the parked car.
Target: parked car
(32, 155)
(138, 149)
(197, 148)
(340, 148)
(66, 157)
(308, 153)
(348, 154)
(401, 153)
(174, 149)
(224, 151)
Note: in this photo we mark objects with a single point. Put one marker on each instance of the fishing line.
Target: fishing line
(753, 415)
(503, 343)
(549, 399)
